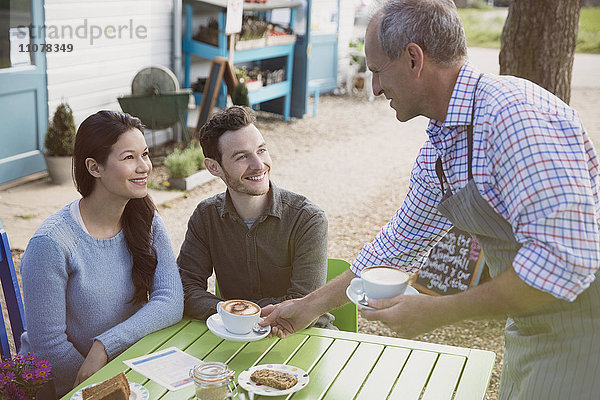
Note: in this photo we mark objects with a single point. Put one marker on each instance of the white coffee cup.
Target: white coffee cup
(239, 316)
(380, 282)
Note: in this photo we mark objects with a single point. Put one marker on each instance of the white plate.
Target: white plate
(215, 325)
(138, 392)
(247, 383)
(354, 297)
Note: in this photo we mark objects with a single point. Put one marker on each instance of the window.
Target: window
(15, 36)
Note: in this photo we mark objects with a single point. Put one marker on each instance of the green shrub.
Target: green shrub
(183, 163)
(588, 36)
(483, 27)
(240, 95)
(60, 138)
(195, 152)
(479, 5)
(180, 164)
(242, 74)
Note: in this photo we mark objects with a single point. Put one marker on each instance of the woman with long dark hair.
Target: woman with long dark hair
(100, 274)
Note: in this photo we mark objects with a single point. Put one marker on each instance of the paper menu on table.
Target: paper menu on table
(169, 367)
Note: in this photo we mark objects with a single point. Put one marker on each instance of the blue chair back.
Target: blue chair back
(12, 295)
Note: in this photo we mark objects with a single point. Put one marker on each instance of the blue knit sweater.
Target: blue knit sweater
(77, 288)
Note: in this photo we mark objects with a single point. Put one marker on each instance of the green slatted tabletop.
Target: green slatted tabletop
(341, 365)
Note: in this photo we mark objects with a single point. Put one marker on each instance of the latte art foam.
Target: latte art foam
(384, 275)
(240, 307)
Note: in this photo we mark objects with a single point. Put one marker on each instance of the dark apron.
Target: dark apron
(553, 352)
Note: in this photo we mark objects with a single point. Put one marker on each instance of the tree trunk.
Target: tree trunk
(538, 43)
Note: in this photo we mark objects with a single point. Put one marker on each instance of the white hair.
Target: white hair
(434, 25)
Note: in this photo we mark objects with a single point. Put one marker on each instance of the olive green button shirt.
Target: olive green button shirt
(282, 256)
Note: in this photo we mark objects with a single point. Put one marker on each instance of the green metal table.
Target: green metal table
(341, 365)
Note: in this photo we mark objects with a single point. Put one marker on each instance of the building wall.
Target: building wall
(112, 41)
(347, 14)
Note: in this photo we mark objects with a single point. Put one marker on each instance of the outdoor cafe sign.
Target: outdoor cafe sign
(453, 265)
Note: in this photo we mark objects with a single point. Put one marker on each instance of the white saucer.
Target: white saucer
(354, 297)
(263, 390)
(138, 392)
(215, 325)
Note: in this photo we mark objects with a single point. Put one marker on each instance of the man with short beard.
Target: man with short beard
(265, 244)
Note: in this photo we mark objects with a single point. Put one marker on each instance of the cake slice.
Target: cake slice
(275, 379)
(115, 388)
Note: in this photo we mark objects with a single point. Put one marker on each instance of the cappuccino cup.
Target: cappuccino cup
(239, 316)
(380, 282)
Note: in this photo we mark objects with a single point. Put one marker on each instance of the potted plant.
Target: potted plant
(186, 168)
(240, 95)
(26, 377)
(59, 142)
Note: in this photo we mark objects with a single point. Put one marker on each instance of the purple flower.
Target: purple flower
(46, 368)
(45, 375)
(15, 392)
(42, 373)
(29, 374)
(22, 376)
(43, 364)
(6, 377)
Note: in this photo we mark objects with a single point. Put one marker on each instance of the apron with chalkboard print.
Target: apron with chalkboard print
(552, 352)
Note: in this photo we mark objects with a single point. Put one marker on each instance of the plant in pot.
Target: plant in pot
(26, 377)
(240, 95)
(183, 166)
(59, 142)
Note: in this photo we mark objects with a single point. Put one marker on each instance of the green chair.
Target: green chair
(217, 292)
(346, 317)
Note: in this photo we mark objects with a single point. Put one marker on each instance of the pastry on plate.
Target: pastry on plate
(115, 388)
(275, 379)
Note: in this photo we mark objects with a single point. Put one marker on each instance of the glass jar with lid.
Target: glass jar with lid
(214, 381)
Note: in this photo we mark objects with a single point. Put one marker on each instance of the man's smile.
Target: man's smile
(257, 178)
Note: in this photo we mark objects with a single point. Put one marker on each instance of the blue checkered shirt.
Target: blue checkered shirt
(533, 163)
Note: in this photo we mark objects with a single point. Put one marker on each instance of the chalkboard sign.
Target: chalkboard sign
(231, 80)
(219, 68)
(454, 265)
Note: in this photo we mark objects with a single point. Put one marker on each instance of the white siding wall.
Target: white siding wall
(347, 11)
(97, 71)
